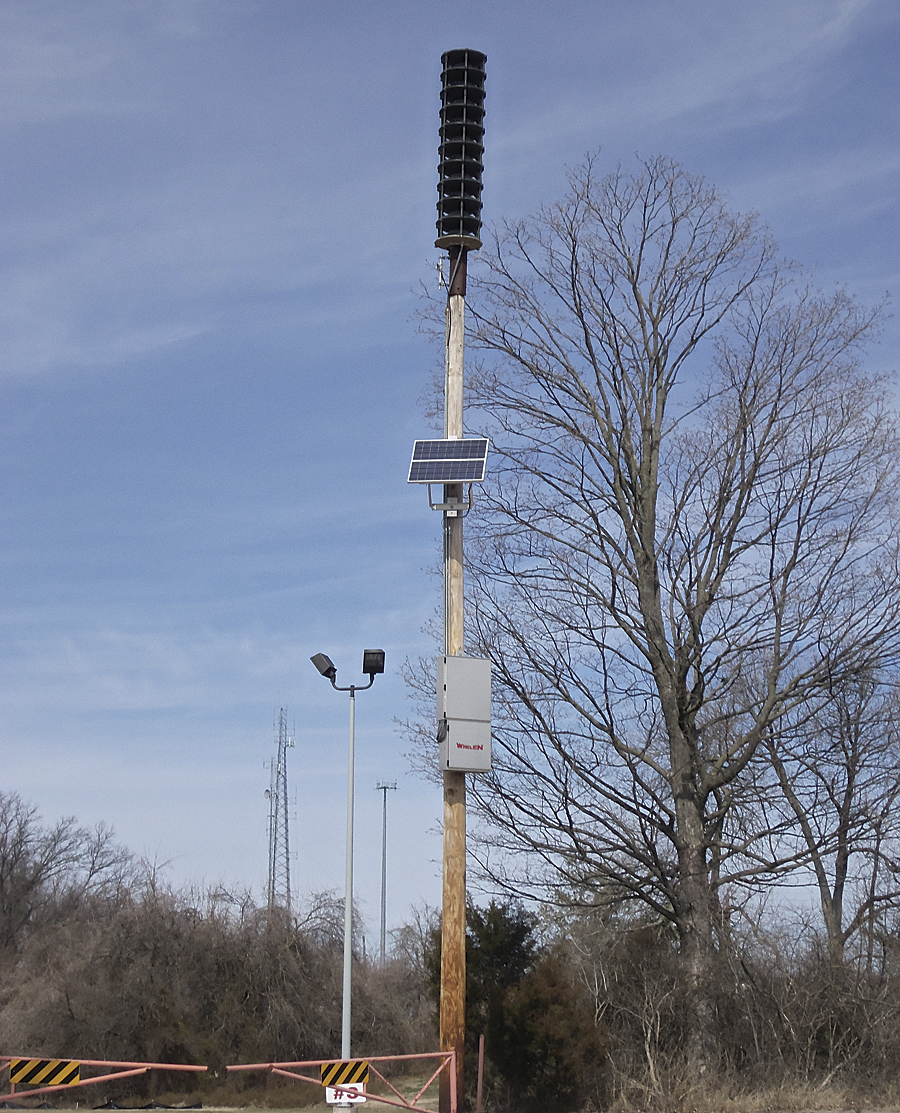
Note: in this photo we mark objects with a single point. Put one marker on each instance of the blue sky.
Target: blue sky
(216, 217)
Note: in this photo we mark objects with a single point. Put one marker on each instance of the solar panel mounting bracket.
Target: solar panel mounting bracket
(455, 508)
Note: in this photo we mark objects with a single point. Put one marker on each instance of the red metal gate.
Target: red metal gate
(125, 1070)
(446, 1061)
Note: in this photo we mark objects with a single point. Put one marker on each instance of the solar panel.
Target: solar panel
(456, 461)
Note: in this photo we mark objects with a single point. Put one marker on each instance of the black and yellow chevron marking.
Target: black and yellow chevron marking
(339, 1074)
(44, 1072)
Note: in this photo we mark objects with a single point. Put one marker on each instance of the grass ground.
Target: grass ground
(271, 1094)
(275, 1096)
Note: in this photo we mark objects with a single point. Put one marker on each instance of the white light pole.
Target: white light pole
(373, 664)
(384, 787)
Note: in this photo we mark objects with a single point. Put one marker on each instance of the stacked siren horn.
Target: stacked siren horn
(461, 149)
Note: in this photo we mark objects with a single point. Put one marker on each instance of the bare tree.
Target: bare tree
(838, 772)
(45, 870)
(689, 535)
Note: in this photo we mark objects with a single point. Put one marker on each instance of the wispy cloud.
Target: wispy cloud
(696, 68)
(848, 185)
(123, 669)
(172, 258)
(64, 61)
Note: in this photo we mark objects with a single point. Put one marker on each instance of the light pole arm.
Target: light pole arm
(353, 687)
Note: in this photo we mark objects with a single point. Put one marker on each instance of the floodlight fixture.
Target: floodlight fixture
(325, 665)
(373, 665)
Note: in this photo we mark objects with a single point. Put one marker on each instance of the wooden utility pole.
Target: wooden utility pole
(459, 226)
(453, 930)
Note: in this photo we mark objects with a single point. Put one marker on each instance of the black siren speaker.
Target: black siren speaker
(461, 149)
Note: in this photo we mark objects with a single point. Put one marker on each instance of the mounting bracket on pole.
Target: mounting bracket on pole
(456, 508)
(451, 460)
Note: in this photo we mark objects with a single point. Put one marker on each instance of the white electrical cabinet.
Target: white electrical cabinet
(464, 713)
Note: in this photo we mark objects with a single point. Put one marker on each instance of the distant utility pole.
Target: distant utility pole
(279, 885)
(384, 787)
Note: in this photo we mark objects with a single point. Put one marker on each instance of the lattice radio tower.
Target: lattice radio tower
(279, 889)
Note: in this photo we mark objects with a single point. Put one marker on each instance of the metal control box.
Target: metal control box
(464, 713)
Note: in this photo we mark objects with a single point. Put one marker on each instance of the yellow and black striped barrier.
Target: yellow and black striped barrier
(44, 1072)
(342, 1074)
